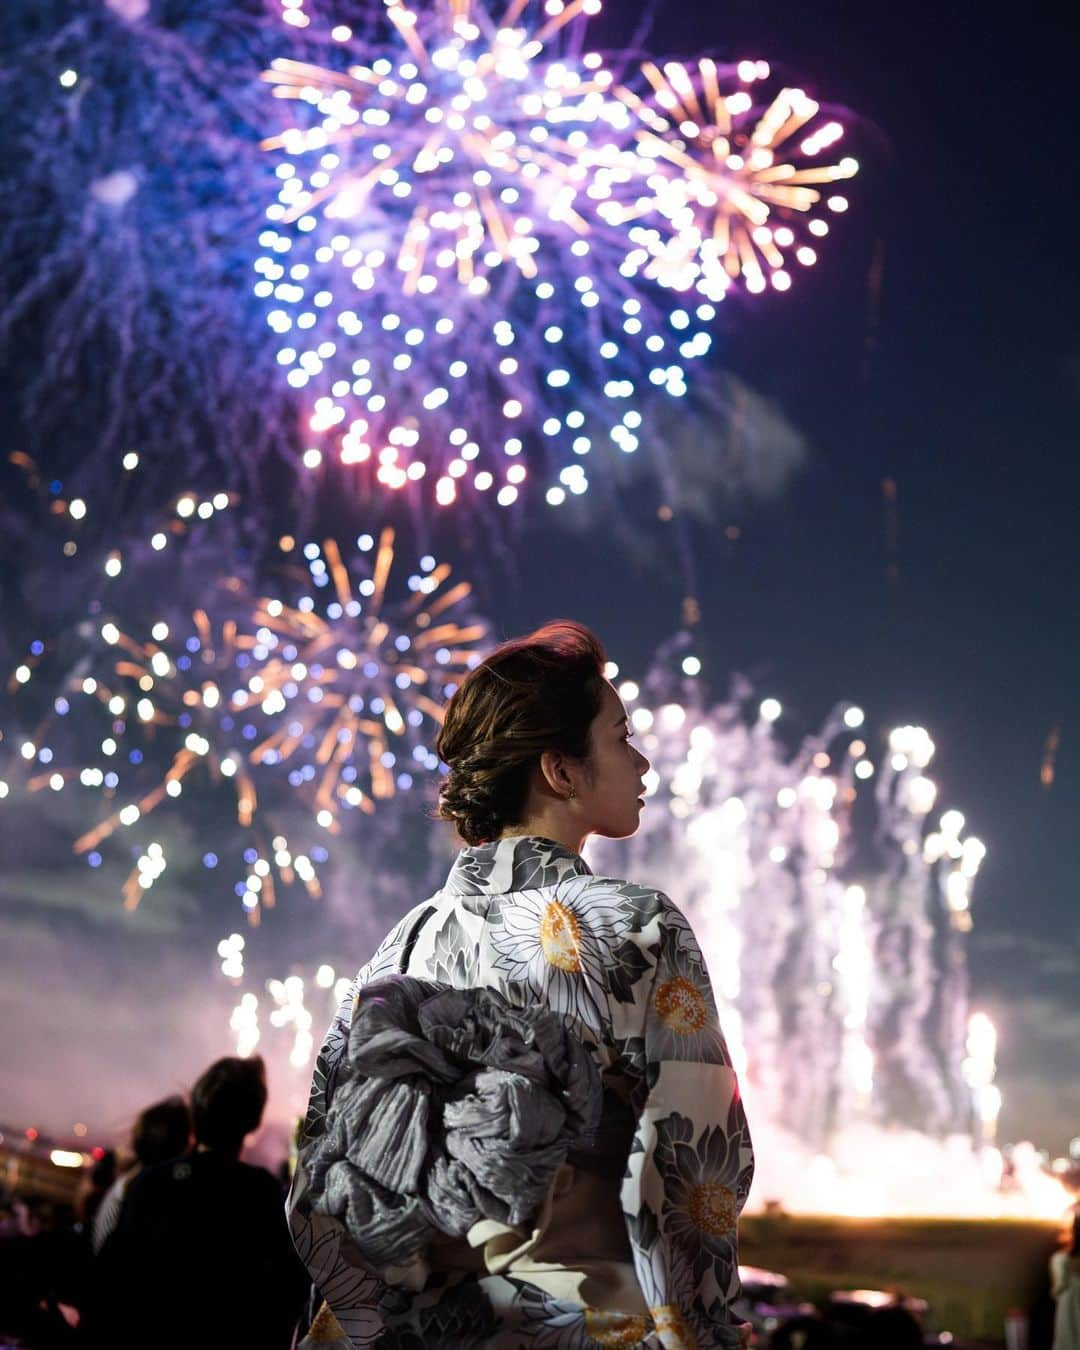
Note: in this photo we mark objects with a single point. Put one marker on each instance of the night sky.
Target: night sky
(965, 393)
(935, 348)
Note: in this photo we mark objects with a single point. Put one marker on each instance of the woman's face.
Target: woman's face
(611, 794)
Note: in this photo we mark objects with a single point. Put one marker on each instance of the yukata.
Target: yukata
(636, 1242)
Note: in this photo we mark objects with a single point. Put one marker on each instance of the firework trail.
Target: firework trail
(351, 675)
(831, 910)
(736, 183)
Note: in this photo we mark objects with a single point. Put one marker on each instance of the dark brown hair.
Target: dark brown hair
(532, 694)
(162, 1131)
(228, 1101)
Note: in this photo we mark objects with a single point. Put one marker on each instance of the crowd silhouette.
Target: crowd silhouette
(178, 1242)
(187, 1246)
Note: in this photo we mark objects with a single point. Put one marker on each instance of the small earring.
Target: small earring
(571, 794)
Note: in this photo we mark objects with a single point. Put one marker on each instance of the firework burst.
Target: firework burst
(143, 720)
(79, 684)
(348, 690)
(126, 706)
(476, 169)
(737, 189)
(166, 692)
(447, 294)
(133, 183)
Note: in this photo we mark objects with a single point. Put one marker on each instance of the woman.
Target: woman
(635, 1241)
(1065, 1287)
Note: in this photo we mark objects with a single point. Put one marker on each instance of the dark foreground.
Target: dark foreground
(963, 1277)
(972, 1273)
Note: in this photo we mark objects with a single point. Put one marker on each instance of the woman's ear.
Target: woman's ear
(554, 772)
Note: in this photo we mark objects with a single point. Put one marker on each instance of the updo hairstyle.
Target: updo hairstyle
(532, 694)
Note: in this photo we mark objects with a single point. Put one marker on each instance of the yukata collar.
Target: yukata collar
(517, 863)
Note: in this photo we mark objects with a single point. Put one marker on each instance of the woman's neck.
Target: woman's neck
(549, 826)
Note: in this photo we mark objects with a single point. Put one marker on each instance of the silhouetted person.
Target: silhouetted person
(43, 1270)
(201, 1255)
(93, 1188)
(803, 1333)
(161, 1132)
(892, 1329)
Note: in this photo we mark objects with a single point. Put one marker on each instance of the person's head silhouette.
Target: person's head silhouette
(227, 1103)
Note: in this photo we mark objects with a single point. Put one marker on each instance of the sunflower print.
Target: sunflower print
(548, 1323)
(555, 942)
(326, 1330)
(621, 965)
(674, 1330)
(682, 1021)
(702, 1198)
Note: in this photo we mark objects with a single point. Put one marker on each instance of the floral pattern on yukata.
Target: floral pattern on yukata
(556, 943)
(621, 966)
(449, 958)
(681, 1021)
(462, 1319)
(513, 865)
(701, 1198)
(547, 1323)
(627, 963)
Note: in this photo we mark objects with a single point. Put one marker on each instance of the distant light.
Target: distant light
(921, 795)
(65, 1157)
(68, 78)
(952, 822)
(770, 709)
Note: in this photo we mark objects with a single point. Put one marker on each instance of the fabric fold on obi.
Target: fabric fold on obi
(451, 1107)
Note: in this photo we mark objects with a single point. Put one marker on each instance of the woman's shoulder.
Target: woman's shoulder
(389, 951)
(640, 904)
